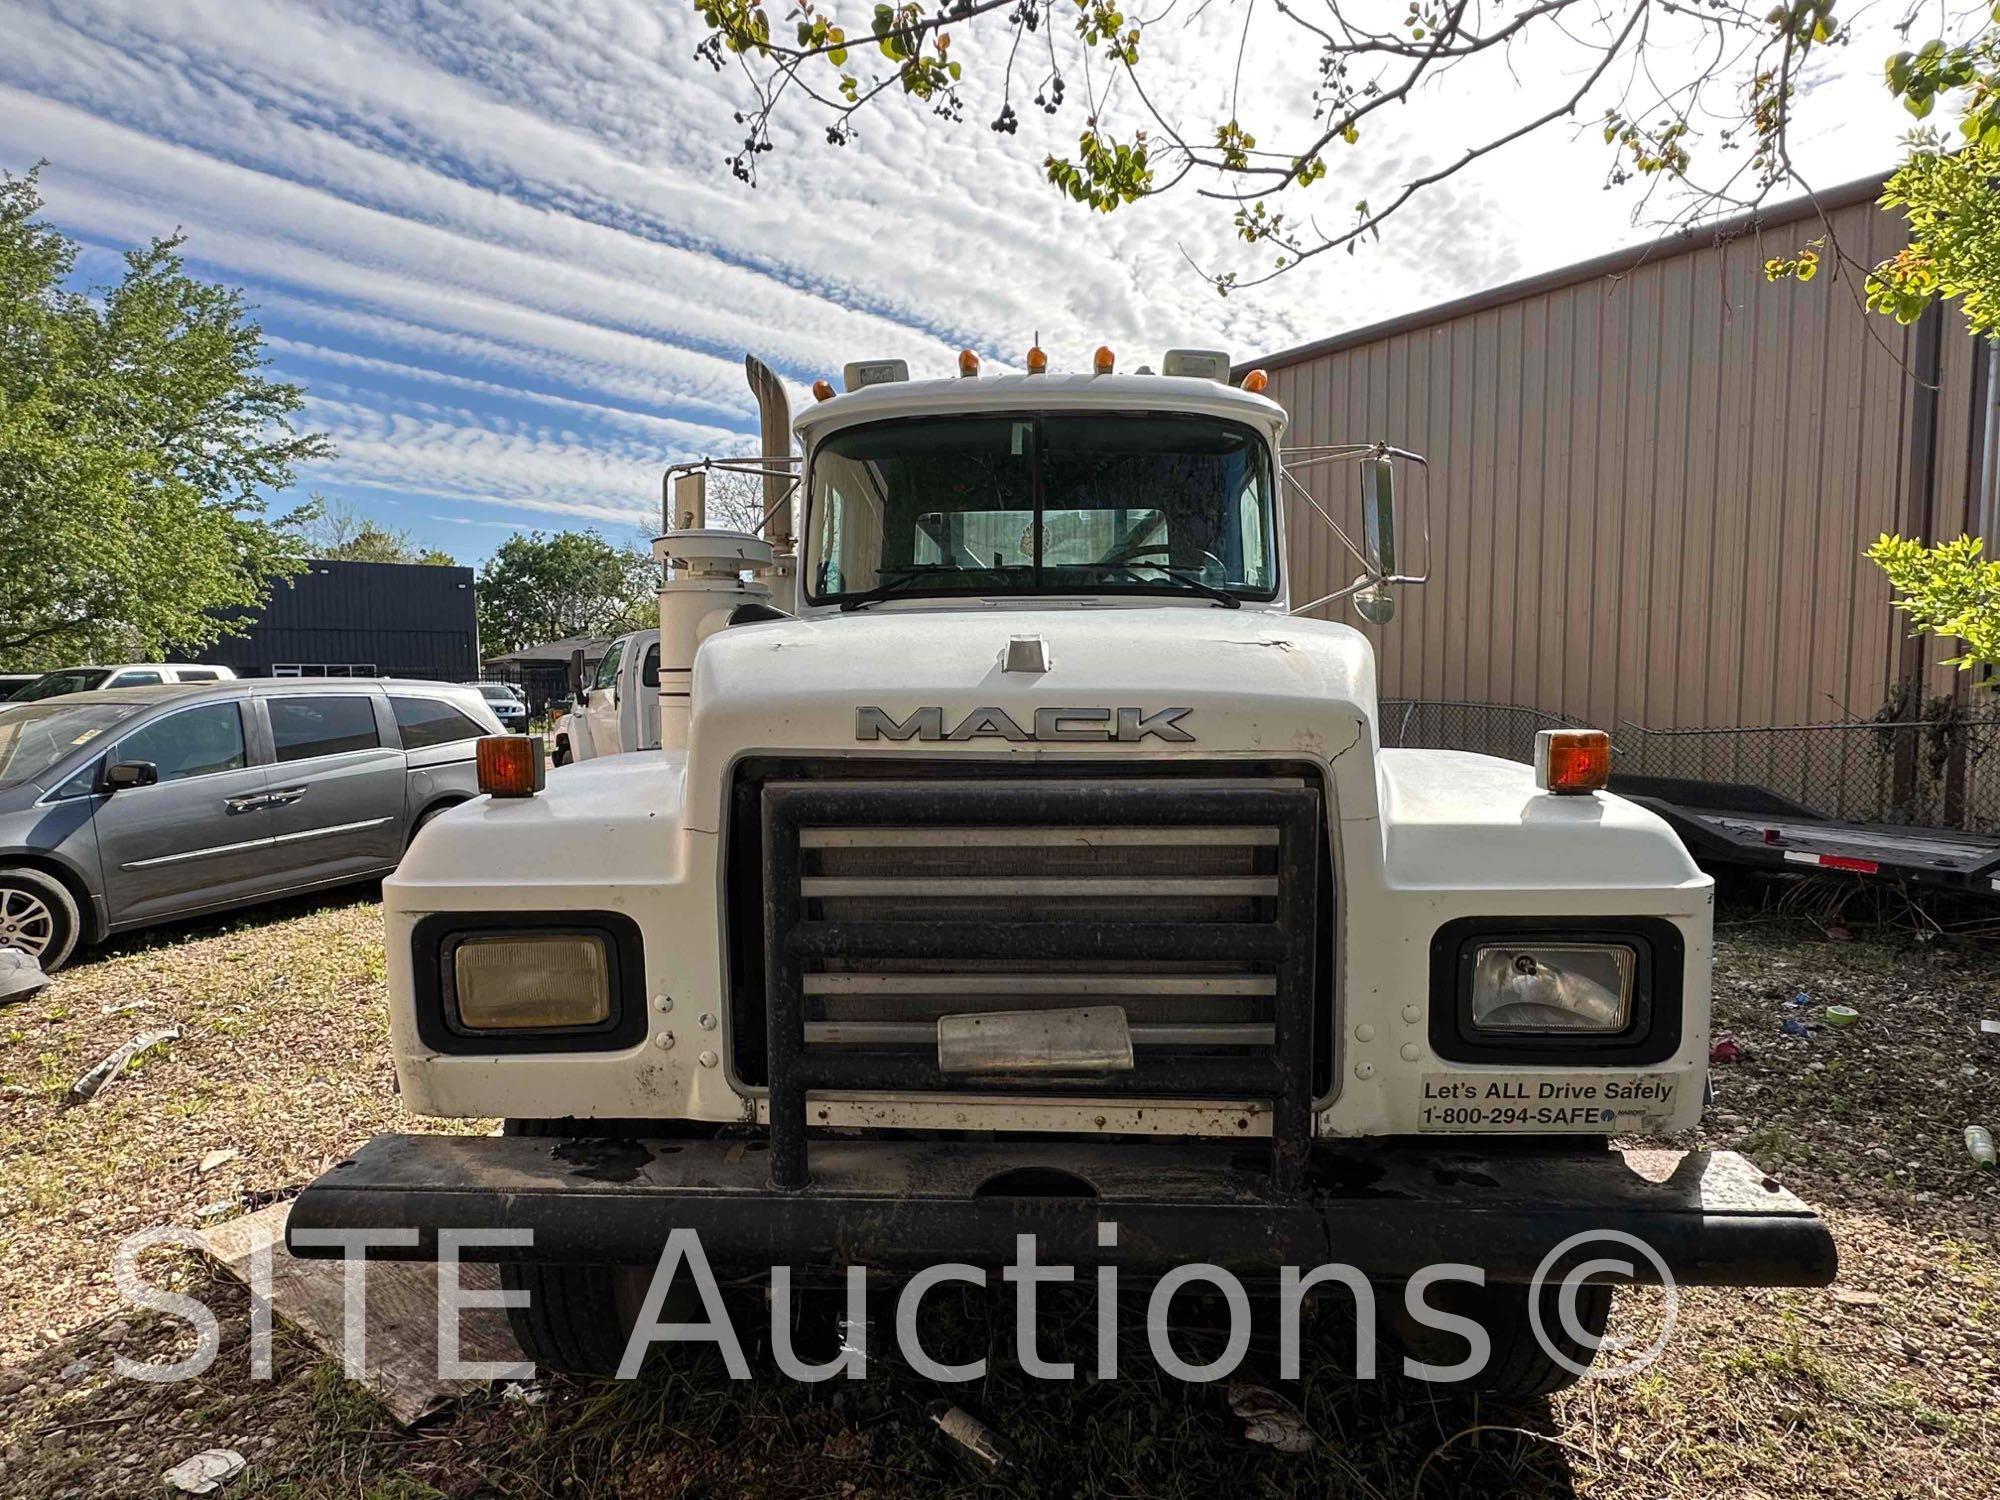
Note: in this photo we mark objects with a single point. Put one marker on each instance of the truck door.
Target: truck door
(645, 699)
(603, 697)
(336, 785)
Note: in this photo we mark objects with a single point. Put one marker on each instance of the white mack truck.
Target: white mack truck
(1017, 858)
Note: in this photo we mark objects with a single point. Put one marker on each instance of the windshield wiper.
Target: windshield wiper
(894, 586)
(1187, 579)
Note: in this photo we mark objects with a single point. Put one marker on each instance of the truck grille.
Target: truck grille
(885, 898)
(887, 895)
(1027, 875)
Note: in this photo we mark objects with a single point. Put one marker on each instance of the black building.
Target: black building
(361, 619)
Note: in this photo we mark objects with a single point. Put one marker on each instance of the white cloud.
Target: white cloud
(458, 213)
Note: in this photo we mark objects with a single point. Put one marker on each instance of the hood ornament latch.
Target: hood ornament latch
(1026, 653)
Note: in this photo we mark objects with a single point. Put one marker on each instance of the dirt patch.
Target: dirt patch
(283, 1059)
(1872, 1115)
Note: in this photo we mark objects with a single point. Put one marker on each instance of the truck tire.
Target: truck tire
(560, 755)
(39, 916)
(1519, 1367)
(578, 1318)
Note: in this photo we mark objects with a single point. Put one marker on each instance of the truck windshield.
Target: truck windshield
(34, 736)
(1041, 504)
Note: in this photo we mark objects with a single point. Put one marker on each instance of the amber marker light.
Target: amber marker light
(1105, 360)
(1255, 382)
(968, 364)
(1569, 762)
(1038, 361)
(511, 765)
(822, 390)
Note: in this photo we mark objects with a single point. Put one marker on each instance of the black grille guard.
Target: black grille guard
(1288, 944)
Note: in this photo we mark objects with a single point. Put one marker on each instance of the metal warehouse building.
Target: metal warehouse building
(362, 619)
(1652, 477)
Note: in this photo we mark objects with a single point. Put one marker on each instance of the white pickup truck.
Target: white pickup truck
(618, 707)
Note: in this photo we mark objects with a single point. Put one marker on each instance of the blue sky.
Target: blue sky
(498, 245)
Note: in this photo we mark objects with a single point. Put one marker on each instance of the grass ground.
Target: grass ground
(1886, 1385)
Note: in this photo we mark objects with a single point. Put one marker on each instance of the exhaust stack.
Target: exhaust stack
(774, 417)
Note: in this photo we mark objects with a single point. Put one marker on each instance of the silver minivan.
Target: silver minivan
(131, 806)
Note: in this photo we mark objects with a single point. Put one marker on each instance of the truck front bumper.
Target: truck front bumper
(1386, 1208)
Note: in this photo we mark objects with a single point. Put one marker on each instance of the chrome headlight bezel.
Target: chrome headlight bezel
(434, 945)
(1652, 1024)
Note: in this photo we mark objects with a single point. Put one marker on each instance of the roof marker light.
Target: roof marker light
(822, 390)
(1197, 364)
(968, 364)
(1038, 361)
(1255, 382)
(866, 372)
(1569, 762)
(1105, 360)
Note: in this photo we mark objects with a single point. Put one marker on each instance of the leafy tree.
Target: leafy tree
(541, 587)
(1953, 206)
(1949, 590)
(336, 531)
(1698, 101)
(138, 436)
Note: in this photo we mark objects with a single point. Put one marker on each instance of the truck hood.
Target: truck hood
(1252, 683)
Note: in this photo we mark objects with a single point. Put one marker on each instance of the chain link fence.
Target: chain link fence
(1502, 729)
(1931, 773)
(1941, 772)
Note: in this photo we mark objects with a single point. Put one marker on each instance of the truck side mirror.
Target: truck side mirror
(1376, 603)
(1378, 516)
(576, 674)
(130, 773)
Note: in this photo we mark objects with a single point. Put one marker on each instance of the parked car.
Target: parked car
(68, 680)
(508, 706)
(130, 806)
(12, 682)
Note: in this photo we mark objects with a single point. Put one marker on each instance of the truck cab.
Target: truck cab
(1018, 858)
(615, 703)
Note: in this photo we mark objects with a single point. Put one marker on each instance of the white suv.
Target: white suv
(133, 674)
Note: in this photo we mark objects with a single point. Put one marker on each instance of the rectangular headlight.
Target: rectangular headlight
(544, 981)
(1552, 987)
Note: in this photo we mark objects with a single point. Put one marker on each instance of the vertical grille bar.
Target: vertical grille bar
(1292, 1047)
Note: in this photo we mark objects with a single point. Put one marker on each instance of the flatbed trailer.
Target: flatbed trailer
(1749, 827)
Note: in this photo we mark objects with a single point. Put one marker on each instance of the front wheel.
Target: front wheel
(578, 1318)
(39, 917)
(1520, 1365)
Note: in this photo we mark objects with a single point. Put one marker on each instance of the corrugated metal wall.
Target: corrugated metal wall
(403, 619)
(1651, 482)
